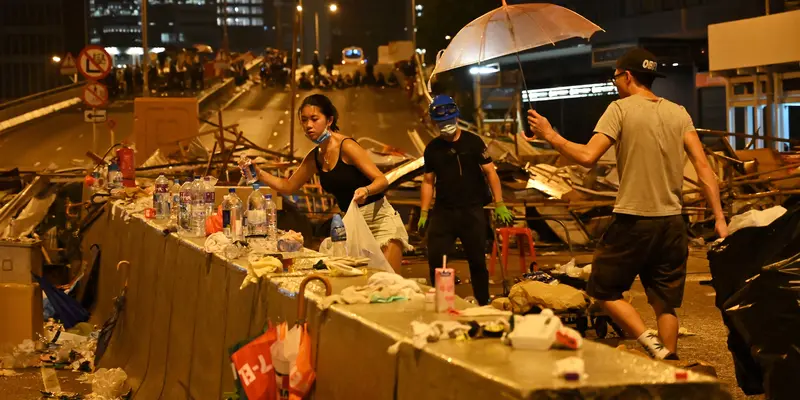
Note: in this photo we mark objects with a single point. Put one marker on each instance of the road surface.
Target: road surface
(263, 114)
(385, 115)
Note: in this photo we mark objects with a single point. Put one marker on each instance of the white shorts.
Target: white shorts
(385, 223)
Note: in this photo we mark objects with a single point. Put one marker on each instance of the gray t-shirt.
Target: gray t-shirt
(648, 137)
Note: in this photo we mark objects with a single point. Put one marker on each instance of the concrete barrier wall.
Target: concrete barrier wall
(184, 309)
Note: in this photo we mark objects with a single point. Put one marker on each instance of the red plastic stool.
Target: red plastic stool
(521, 234)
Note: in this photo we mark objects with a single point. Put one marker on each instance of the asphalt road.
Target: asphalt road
(382, 114)
(61, 138)
(263, 114)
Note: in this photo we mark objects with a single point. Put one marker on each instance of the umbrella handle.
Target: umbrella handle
(301, 294)
(128, 269)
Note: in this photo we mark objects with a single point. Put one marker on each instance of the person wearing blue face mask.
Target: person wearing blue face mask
(346, 171)
(458, 166)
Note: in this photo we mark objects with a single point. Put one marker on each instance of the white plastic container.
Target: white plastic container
(534, 332)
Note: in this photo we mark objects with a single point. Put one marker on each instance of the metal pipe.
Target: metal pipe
(145, 54)
(293, 54)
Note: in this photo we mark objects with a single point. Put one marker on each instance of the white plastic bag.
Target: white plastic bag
(360, 242)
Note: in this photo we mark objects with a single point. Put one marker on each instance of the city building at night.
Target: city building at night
(34, 34)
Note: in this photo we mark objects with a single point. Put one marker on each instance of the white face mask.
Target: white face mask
(449, 129)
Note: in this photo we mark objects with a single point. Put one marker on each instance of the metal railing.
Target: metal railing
(37, 96)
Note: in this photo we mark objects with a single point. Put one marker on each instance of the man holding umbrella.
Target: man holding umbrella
(458, 165)
(647, 235)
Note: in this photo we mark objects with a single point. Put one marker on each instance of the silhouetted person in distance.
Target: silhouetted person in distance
(304, 83)
(315, 63)
(128, 79)
(369, 68)
(391, 81)
(329, 64)
(357, 78)
(380, 81)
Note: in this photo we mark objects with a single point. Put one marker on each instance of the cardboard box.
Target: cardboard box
(20, 313)
(18, 260)
(244, 192)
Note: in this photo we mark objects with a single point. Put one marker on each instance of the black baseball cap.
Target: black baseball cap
(639, 60)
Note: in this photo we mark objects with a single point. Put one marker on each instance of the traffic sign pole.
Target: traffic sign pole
(94, 134)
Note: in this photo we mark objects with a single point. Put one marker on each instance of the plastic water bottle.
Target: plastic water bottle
(256, 213)
(338, 236)
(198, 208)
(161, 198)
(272, 218)
(185, 210)
(232, 216)
(175, 200)
(209, 196)
(114, 180)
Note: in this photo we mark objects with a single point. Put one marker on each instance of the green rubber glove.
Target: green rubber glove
(502, 214)
(423, 219)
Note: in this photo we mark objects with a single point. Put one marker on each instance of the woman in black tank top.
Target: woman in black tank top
(346, 172)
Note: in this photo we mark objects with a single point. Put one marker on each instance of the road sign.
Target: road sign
(68, 66)
(111, 124)
(95, 94)
(223, 61)
(94, 115)
(94, 62)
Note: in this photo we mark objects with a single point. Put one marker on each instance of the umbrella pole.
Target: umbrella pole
(524, 84)
(301, 295)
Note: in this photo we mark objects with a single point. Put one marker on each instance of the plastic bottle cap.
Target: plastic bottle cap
(256, 186)
(268, 196)
(231, 190)
(197, 177)
(681, 375)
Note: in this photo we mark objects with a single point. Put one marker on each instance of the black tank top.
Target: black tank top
(343, 180)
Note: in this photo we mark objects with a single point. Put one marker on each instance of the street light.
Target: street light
(299, 8)
(56, 59)
(333, 8)
(447, 37)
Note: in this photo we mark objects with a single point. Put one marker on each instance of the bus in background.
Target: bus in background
(353, 55)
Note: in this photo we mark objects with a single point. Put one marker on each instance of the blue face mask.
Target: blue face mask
(322, 138)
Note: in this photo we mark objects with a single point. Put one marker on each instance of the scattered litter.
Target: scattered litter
(755, 218)
(8, 372)
(433, 332)
(382, 287)
(107, 384)
(485, 311)
(683, 332)
(570, 369)
(549, 253)
(258, 268)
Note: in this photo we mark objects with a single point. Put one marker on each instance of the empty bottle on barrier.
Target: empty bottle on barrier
(175, 200)
(198, 207)
(232, 216)
(185, 212)
(161, 198)
(272, 218)
(256, 213)
(209, 196)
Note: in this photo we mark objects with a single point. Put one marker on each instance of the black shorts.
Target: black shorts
(655, 248)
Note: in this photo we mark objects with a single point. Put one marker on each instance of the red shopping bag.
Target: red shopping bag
(302, 375)
(253, 366)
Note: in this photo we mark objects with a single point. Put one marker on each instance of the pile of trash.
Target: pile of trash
(67, 349)
(58, 348)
